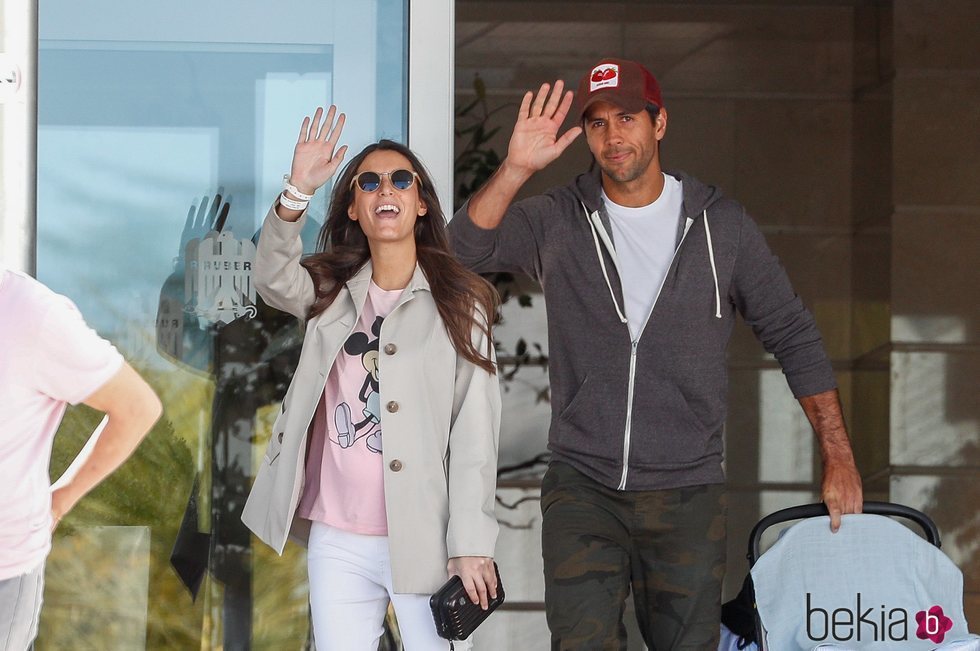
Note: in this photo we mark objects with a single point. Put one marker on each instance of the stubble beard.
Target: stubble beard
(630, 173)
(620, 175)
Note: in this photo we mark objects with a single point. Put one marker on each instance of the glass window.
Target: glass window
(163, 134)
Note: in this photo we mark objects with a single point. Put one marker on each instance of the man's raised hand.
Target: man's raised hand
(535, 142)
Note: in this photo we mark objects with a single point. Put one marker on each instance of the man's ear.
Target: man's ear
(660, 123)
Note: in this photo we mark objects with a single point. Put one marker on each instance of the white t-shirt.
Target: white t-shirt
(48, 357)
(645, 240)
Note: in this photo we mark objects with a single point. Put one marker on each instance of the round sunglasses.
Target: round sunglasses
(371, 181)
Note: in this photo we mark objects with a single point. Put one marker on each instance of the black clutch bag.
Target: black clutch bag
(455, 615)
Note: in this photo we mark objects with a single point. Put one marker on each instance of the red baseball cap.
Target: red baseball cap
(624, 83)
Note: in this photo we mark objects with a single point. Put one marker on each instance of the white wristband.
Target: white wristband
(286, 185)
(292, 204)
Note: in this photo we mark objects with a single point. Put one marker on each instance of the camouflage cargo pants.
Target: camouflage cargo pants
(668, 546)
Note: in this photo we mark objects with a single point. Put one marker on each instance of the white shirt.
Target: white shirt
(49, 357)
(645, 240)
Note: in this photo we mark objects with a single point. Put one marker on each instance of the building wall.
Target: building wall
(934, 447)
(849, 131)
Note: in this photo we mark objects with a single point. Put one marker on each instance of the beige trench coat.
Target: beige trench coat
(440, 417)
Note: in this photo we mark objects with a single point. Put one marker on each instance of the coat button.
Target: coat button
(390, 349)
(280, 437)
(392, 406)
(395, 465)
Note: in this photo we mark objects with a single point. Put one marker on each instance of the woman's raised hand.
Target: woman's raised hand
(316, 157)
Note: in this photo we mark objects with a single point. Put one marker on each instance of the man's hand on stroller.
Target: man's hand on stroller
(841, 488)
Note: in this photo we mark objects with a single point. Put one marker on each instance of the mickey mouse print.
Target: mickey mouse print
(344, 465)
(353, 389)
(347, 432)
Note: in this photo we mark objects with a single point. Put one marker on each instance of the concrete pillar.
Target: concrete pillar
(18, 130)
(934, 447)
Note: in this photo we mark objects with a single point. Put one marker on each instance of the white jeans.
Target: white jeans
(350, 587)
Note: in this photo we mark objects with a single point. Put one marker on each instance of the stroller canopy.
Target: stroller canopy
(873, 585)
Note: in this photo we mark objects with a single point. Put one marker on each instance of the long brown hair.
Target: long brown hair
(464, 300)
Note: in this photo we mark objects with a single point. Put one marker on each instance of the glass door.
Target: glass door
(164, 131)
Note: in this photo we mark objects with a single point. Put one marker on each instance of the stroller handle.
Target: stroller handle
(816, 510)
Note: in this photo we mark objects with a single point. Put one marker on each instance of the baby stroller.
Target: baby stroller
(873, 585)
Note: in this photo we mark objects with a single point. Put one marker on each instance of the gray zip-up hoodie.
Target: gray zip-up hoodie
(647, 413)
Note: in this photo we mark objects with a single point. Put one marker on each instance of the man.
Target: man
(643, 272)
(49, 357)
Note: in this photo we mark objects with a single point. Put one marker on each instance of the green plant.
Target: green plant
(476, 161)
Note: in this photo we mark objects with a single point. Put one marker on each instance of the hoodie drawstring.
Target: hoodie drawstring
(714, 271)
(602, 263)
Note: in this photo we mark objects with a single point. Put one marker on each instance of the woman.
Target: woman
(383, 457)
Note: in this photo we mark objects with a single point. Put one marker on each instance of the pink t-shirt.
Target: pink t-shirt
(48, 357)
(344, 469)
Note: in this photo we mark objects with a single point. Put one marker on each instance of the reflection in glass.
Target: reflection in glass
(107, 565)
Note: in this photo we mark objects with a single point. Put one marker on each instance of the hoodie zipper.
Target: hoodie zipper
(629, 413)
(634, 344)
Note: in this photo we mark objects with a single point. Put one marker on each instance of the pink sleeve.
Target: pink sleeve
(72, 360)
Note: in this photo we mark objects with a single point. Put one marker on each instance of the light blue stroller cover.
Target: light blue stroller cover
(874, 585)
